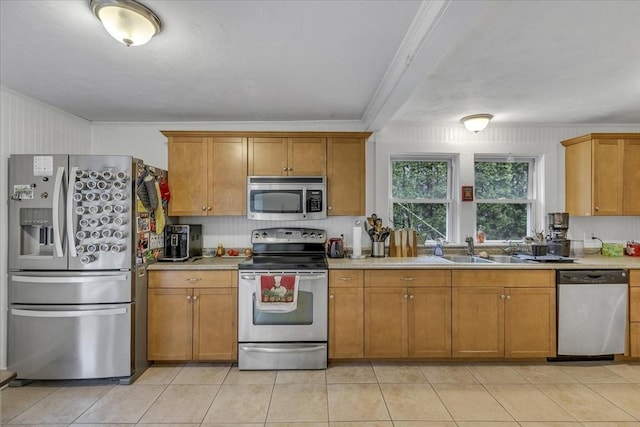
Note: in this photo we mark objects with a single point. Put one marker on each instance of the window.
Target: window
(421, 195)
(505, 197)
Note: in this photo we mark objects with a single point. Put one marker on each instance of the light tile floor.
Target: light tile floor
(345, 395)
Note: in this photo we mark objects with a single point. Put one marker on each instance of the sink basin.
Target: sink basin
(507, 259)
(467, 259)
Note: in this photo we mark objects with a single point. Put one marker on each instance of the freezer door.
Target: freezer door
(100, 212)
(70, 342)
(37, 200)
(71, 288)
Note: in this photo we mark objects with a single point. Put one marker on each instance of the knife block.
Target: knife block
(396, 249)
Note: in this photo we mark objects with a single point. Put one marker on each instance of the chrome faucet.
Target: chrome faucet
(470, 249)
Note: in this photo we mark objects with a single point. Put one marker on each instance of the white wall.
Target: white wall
(28, 126)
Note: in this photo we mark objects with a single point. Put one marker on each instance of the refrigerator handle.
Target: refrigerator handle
(70, 233)
(57, 193)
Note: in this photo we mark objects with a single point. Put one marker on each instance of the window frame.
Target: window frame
(532, 200)
(450, 201)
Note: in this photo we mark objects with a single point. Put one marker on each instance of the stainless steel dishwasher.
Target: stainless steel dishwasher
(592, 312)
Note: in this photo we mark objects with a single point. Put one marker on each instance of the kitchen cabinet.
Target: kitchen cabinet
(207, 175)
(346, 316)
(301, 156)
(208, 169)
(503, 313)
(601, 174)
(346, 184)
(407, 313)
(634, 313)
(192, 315)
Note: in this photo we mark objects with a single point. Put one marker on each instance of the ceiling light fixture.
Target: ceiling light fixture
(127, 21)
(476, 122)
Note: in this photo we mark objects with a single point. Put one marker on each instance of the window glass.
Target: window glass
(420, 196)
(504, 198)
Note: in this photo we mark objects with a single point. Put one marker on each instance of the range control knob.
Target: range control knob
(264, 235)
(256, 236)
(305, 235)
(320, 236)
(313, 235)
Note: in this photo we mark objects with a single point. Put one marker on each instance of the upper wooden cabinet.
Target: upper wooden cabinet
(208, 170)
(346, 176)
(601, 172)
(208, 176)
(301, 156)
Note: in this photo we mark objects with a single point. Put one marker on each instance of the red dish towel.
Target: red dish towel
(277, 293)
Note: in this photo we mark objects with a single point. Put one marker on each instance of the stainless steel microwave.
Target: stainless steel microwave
(284, 198)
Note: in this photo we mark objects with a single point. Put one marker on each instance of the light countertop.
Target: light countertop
(420, 262)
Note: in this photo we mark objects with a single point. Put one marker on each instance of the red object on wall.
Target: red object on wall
(467, 193)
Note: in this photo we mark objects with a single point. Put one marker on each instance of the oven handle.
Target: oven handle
(281, 350)
(254, 276)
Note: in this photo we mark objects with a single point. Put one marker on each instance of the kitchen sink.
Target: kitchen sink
(508, 259)
(467, 259)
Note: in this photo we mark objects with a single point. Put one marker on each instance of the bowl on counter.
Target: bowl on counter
(208, 252)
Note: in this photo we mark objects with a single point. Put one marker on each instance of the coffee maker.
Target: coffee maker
(557, 239)
(182, 242)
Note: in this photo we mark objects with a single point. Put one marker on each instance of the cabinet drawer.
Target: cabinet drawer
(634, 278)
(346, 278)
(509, 278)
(413, 278)
(634, 342)
(192, 279)
(634, 304)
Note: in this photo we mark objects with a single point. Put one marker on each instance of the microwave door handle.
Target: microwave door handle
(70, 233)
(57, 193)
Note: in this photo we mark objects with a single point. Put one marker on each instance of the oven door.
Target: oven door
(307, 322)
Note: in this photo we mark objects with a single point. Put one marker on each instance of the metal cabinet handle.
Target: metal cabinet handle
(188, 297)
(347, 278)
(193, 279)
(208, 208)
(508, 296)
(204, 208)
(408, 279)
(285, 168)
(195, 298)
(502, 296)
(412, 296)
(331, 296)
(405, 296)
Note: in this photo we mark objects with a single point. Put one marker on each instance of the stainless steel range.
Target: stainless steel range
(283, 301)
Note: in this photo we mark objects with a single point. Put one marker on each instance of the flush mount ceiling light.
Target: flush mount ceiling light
(127, 21)
(476, 122)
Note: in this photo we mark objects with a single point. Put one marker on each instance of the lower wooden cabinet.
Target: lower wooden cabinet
(503, 313)
(407, 321)
(192, 323)
(346, 317)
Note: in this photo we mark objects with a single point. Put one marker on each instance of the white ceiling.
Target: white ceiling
(537, 62)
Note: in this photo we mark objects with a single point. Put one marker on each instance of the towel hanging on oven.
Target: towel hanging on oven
(277, 293)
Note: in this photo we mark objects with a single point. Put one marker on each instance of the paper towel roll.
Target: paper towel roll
(357, 241)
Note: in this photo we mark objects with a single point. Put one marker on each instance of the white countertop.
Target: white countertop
(421, 262)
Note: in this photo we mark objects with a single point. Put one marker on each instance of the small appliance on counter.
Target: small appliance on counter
(558, 243)
(335, 248)
(182, 242)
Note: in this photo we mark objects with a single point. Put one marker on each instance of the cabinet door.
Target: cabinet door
(188, 176)
(385, 322)
(169, 328)
(215, 324)
(578, 177)
(607, 177)
(307, 156)
(634, 342)
(268, 156)
(346, 323)
(530, 322)
(346, 185)
(477, 322)
(631, 177)
(429, 322)
(228, 176)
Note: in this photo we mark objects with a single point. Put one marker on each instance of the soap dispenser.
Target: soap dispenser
(438, 249)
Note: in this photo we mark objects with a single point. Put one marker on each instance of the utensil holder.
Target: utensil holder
(377, 249)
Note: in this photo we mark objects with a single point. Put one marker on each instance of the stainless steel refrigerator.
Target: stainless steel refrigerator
(79, 239)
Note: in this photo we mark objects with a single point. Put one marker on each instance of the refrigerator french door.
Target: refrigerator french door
(70, 215)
